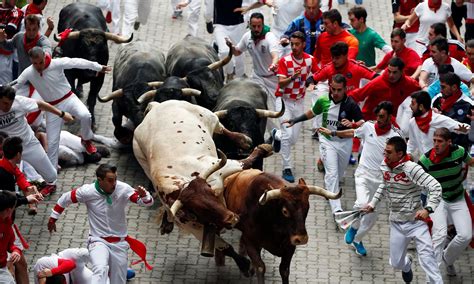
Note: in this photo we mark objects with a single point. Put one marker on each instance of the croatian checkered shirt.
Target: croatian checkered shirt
(287, 67)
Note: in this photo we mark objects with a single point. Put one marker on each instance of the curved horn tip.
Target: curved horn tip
(177, 205)
(263, 199)
(129, 39)
(56, 38)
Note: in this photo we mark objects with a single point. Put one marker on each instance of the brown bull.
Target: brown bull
(272, 215)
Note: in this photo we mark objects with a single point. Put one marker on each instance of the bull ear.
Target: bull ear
(271, 114)
(322, 192)
(301, 181)
(175, 207)
(269, 195)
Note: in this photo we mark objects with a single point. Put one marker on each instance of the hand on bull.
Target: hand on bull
(105, 69)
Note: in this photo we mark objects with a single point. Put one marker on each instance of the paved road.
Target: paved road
(325, 259)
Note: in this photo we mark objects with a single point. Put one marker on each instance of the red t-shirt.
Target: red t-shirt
(15, 171)
(287, 66)
(353, 71)
(405, 8)
(322, 53)
(380, 89)
(409, 56)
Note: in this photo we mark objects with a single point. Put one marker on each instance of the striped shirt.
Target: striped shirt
(402, 186)
(449, 172)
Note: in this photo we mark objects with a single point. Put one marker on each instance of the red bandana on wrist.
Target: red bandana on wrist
(29, 45)
(434, 6)
(404, 159)
(423, 122)
(33, 9)
(447, 103)
(438, 158)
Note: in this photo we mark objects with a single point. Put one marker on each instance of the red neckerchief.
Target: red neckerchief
(313, 21)
(434, 6)
(438, 158)
(423, 121)
(404, 159)
(63, 36)
(29, 45)
(382, 130)
(47, 61)
(33, 9)
(447, 103)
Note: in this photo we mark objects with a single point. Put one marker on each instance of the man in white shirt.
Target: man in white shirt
(48, 78)
(13, 110)
(424, 123)
(106, 200)
(439, 51)
(262, 45)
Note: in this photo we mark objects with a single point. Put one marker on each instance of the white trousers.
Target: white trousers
(411, 40)
(108, 260)
(194, 9)
(459, 214)
(335, 155)
(269, 84)
(234, 33)
(289, 136)
(34, 154)
(130, 15)
(54, 123)
(5, 276)
(30, 173)
(366, 183)
(114, 7)
(401, 233)
(6, 72)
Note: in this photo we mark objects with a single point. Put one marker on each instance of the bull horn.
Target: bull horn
(72, 35)
(221, 114)
(322, 192)
(118, 39)
(217, 166)
(220, 63)
(269, 195)
(190, 92)
(175, 207)
(155, 84)
(115, 94)
(271, 114)
(146, 96)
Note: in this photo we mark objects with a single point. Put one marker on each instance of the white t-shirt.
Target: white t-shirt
(374, 145)
(284, 13)
(79, 255)
(14, 122)
(428, 17)
(261, 53)
(459, 69)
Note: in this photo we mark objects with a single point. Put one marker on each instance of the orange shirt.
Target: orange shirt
(322, 52)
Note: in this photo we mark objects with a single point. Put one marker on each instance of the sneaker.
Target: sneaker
(352, 160)
(90, 148)
(130, 274)
(136, 26)
(276, 144)
(349, 236)
(288, 175)
(450, 270)
(210, 27)
(408, 276)
(359, 248)
(48, 190)
(177, 14)
(320, 165)
(108, 17)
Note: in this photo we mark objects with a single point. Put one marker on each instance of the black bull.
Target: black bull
(88, 40)
(137, 68)
(242, 107)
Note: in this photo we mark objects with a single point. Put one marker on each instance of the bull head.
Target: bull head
(109, 36)
(119, 92)
(177, 205)
(151, 94)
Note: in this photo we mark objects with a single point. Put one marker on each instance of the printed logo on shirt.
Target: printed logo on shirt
(8, 119)
(401, 177)
(332, 123)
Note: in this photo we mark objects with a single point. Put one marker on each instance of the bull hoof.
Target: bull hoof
(166, 227)
(245, 142)
(266, 149)
(245, 267)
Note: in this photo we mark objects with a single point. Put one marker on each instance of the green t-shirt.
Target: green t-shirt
(368, 41)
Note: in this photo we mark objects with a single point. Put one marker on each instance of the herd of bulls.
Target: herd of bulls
(180, 117)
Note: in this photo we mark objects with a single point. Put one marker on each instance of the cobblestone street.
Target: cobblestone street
(176, 257)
